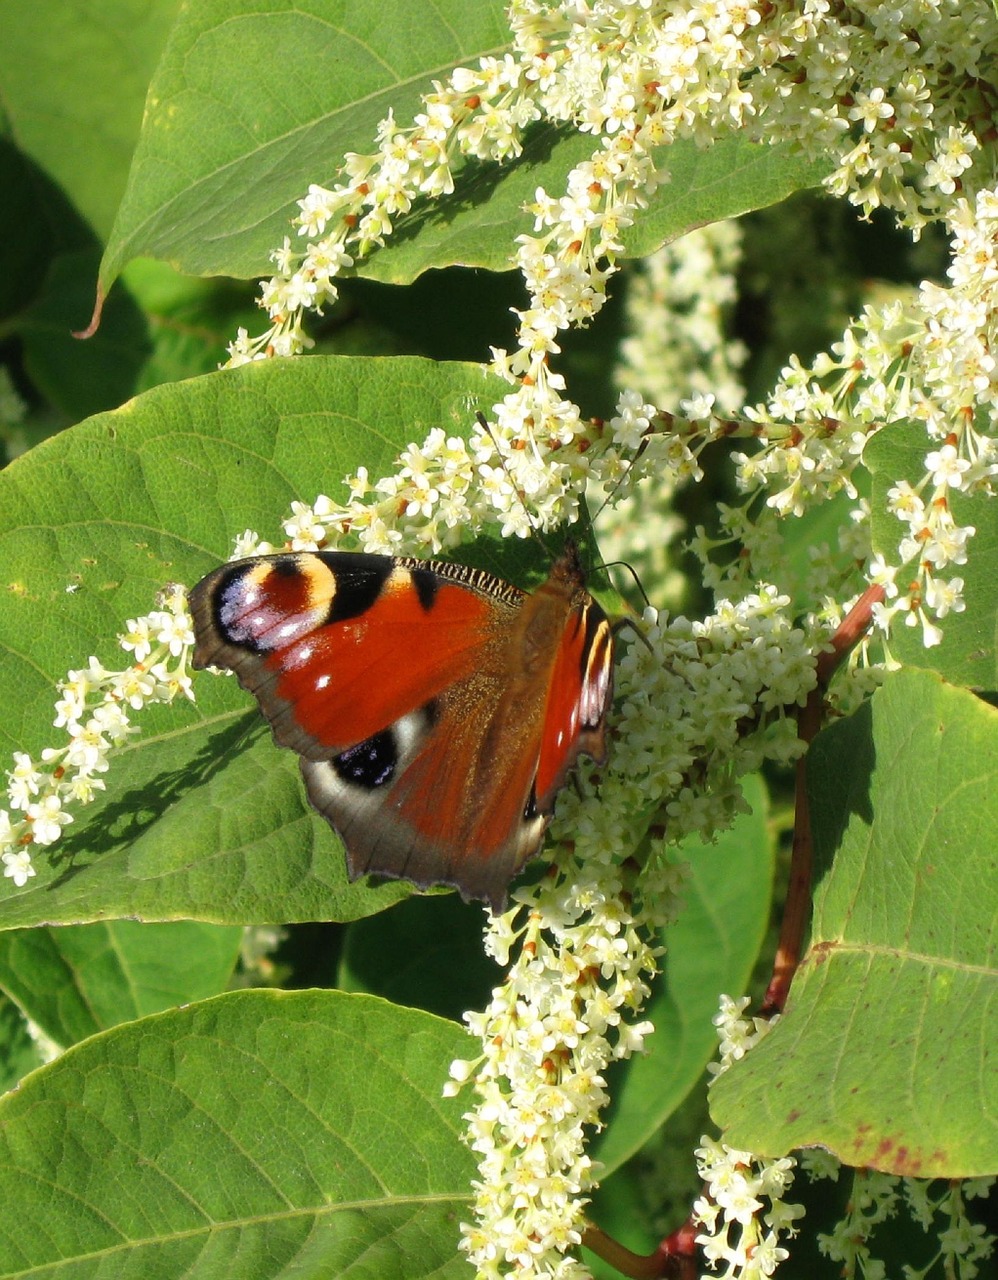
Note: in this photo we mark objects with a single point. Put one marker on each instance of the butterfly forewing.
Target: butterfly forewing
(579, 695)
(436, 708)
(336, 645)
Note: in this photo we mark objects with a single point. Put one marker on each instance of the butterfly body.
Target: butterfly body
(436, 709)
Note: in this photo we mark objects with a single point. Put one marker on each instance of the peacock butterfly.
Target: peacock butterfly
(436, 709)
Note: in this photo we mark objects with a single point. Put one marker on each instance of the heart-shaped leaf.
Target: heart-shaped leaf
(261, 1134)
(887, 1053)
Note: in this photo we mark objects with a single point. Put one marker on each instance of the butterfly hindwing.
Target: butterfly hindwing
(436, 708)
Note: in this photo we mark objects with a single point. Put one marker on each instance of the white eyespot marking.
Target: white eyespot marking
(409, 731)
(322, 682)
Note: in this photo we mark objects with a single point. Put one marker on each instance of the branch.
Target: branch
(810, 719)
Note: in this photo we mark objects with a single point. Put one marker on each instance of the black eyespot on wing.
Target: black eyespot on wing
(370, 764)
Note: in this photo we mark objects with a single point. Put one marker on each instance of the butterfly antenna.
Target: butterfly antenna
(632, 462)
(623, 564)
(627, 622)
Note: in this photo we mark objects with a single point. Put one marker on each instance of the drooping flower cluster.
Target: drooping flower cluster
(636, 76)
(939, 1206)
(927, 361)
(743, 1212)
(445, 486)
(569, 1006)
(677, 310)
(701, 704)
(93, 709)
(677, 354)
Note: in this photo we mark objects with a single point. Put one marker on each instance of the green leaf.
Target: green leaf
(426, 953)
(75, 981)
(231, 141)
(74, 79)
(18, 1052)
(204, 817)
(730, 178)
(251, 103)
(710, 950)
(82, 378)
(477, 226)
(261, 1134)
(968, 654)
(887, 1053)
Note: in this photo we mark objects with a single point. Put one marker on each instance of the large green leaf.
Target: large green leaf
(887, 1053)
(75, 981)
(260, 1135)
(74, 75)
(477, 226)
(968, 654)
(251, 104)
(710, 950)
(203, 816)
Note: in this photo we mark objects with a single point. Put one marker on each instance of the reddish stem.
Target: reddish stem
(674, 1259)
(798, 906)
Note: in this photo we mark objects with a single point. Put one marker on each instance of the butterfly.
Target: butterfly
(436, 708)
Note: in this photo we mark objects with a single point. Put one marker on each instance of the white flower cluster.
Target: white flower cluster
(567, 1008)
(637, 76)
(93, 709)
(446, 486)
(676, 308)
(701, 703)
(939, 1206)
(744, 1213)
(737, 1034)
(927, 361)
(676, 355)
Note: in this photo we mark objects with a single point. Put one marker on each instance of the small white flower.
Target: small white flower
(137, 638)
(946, 466)
(23, 781)
(17, 866)
(47, 819)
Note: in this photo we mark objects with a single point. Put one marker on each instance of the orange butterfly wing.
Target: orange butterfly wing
(436, 708)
